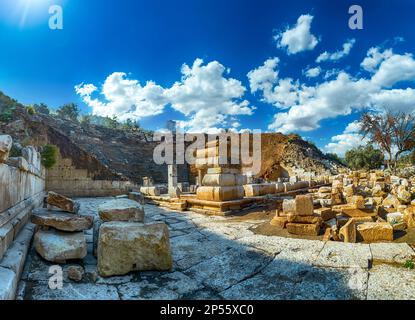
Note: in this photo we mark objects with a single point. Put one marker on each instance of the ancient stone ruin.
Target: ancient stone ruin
(229, 237)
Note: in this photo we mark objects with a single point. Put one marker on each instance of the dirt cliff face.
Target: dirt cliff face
(112, 154)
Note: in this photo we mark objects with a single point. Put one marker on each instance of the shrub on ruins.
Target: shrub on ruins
(69, 111)
(49, 155)
(393, 132)
(364, 158)
(31, 110)
(41, 108)
(130, 125)
(409, 264)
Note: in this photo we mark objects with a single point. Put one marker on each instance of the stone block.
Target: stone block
(121, 210)
(125, 246)
(288, 206)
(222, 179)
(325, 213)
(294, 218)
(6, 142)
(280, 222)
(62, 202)
(58, 246)
(304, 229)
(220, 193)
(254, 190)
(375, 231)
(60, 220)
(347, 233)
(304, 205)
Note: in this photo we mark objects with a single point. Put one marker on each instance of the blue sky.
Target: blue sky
(110, 49)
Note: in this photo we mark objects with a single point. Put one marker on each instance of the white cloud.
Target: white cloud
(312, 72)
(374, 58)
(299, 37)
(204, 95)
(349, 139)
(264, 76)
(347, 46)
(124, 98)
(305, 106)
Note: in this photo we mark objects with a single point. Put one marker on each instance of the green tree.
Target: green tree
(49, 155)
(111, 123)
(31, 110)
(334, 157)
(41, 108)
(364, 158)
(69, 111)
(131, 125)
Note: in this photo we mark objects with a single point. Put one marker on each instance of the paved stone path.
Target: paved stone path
(217, 258)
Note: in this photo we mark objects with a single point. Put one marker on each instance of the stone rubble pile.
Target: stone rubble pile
(60, 232)
(359, 206)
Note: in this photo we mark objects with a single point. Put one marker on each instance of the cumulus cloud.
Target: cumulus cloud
(326, 56)
(305, 106)
(374, 58)
(204, 94)
(264, 76)
(312, 72)
(298, 38)
(349, 139)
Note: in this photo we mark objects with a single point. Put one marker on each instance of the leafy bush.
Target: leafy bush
(31, 110)
(409, 264)
(334, 157)
(364, 158)
(41, 108)
(6, 113)
(49, 155)
(69, 111)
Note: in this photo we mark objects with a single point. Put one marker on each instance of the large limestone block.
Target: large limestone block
(409, 216)
(303, 229)
(280, 222)
(375, 231)
(18, 162)
(223, 170)
(223, 180)
(150, 191)
(125, 246)
(6, 142)
(347, 233)
(391, 201)
(220, 193)
(288, 206)
(57, 246)
(254, 190)
(62, 202)
(294, 218)
(358, 202)
(61, 221)
(325, 213)
(304, 205)
(121, 210)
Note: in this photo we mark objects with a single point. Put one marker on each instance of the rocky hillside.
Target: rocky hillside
(117, 154)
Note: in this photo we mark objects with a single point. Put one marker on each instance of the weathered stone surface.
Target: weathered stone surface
(222, 179)
(8, 283)
(75, 273)
(57, 246)
(76, 291)
(18, 162)
(344, 255)
(150, 191)
(288, 206)
(375, 231)
(304, 229)
(254, 190)
(280, 222)
(60, 220)
(121, 210)
(390, 283)
(304, 205)
(347, 233)
(404, 196)
(62, 202)
(5, 146)
(394, 218)
(128, 246)
(325, 213)
(392, 253)
(220, 193)
(314, 219)
(136, 196)
(391, 201)
(358, 202)
(409, 216)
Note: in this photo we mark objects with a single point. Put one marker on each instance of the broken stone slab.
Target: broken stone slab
(293, 218)
(60, 220)
(304, 229)
(409, 216)
(136, 196)
(280, 222)
(127, 246)
(304, 205)
(358, 202)
(391, 253)
(394, 218)
(347, 233)
(121, 210)
(75, 273)
(325, 213)
(58, 246)
(62, 202)
(375, 231)
(6, 143)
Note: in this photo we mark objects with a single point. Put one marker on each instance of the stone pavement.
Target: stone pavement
(218, 258)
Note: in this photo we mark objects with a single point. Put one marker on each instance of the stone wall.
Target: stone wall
(22, 185)
(66, 179)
